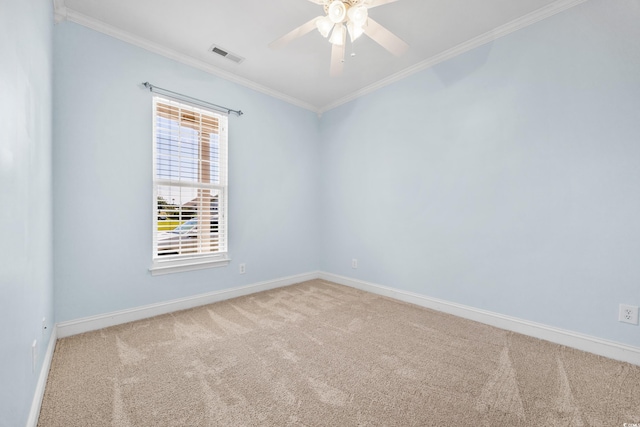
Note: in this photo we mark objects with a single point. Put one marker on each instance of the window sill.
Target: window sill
(188, 264)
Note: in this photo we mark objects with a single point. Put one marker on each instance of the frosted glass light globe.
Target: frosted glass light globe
(358, 15)
(337, 11)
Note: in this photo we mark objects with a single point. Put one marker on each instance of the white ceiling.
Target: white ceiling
(299, 73)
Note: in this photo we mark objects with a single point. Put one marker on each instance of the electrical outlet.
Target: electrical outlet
(354, 263)
(34, 356)
(628, 314)
(242, 268)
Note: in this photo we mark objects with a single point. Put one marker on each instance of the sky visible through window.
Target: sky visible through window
(178, 159)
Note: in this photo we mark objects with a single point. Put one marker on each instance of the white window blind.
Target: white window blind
(190, 185)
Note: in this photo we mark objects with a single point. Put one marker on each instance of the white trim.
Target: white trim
(61, 12)
(78, 326)
(38, 395)
(102, 27)
(180, 265)
(508, 28)
(610, 349)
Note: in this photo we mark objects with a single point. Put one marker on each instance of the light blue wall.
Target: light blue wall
(506, 179)
(26, 278)
(503, 179)
(102, 178)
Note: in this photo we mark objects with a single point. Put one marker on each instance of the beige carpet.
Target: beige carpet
(320, 354)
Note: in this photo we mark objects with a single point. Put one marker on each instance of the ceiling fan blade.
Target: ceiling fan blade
(337, 60)
(385, 38)
(294, 34)
(375, 3)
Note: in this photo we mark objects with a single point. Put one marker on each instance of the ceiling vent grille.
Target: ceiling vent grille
(226, 54)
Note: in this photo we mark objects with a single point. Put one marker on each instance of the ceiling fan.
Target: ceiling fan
(346, 17)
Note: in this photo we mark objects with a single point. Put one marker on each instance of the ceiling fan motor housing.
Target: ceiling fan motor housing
(345, 3)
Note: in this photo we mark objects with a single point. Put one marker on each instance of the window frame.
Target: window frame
(161, 264)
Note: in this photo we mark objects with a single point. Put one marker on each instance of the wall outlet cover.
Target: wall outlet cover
(628, 314)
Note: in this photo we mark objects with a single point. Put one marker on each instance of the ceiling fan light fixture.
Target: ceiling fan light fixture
(324, 25)
(354, 31)
(358, 15)
(338, 36)
(342, 17)
(337, 11)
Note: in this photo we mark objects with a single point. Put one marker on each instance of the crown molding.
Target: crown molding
(61, 13)
(503, 30)
(94, 24)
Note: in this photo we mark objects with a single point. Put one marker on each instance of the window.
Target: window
(189, 187)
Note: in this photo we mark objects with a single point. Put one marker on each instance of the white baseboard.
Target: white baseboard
(610, 349)
(86, 324)
(34, 413)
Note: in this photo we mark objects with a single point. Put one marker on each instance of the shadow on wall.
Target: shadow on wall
(456, 69)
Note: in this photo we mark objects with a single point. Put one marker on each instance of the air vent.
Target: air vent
(226, 54)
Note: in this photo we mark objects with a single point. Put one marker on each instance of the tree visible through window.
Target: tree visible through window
(190, 183)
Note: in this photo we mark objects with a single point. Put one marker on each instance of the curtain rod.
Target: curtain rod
(202, 103)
